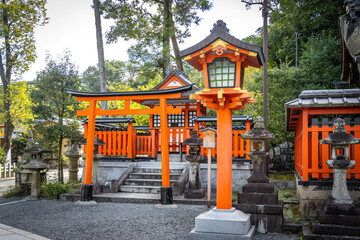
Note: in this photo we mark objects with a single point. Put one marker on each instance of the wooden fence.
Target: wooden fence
(314, 165)
(7, 170)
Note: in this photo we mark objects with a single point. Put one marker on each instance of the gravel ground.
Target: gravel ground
(63, 220)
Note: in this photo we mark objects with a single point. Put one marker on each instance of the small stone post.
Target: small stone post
(73, 154)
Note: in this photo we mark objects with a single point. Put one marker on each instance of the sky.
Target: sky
(72, 27)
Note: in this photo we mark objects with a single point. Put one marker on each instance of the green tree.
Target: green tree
(153, 23)
(53, 102)
(21, 106)
(18, 19)
(114, 70)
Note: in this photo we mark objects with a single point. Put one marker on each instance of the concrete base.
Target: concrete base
(222, 222)
(221, 236)
(85, 203)
(166, 206)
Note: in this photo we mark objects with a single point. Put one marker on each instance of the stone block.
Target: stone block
(221, 236)
(341, 209)
(194, 193)
(332, 229)
(308, 235)
(353, 221)
(274, 209)
(267, 223)
(226, 221)
(258, 198)
(258, 188)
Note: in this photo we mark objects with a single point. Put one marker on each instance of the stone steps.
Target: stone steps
(147, 179)
(144, 182)
(140, 175)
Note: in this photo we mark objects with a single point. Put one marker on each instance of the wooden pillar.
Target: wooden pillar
(90, 144)
(224, 159)
(305, 148)
(186, 115)
(131, 141)
(164, 143)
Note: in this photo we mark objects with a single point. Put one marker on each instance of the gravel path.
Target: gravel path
(63, 220)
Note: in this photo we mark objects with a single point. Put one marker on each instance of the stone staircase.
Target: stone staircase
(147, 180)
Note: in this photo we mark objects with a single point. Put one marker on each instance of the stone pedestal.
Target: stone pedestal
(222, 224)
(260, 199)
(35, 184)
(73, 167)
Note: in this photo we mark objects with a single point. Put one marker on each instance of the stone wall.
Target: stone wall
(282, 157)
(240, 174)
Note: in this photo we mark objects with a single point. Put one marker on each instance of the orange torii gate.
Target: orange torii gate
(91, 112)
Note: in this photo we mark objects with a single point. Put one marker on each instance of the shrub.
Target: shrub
(54, 189)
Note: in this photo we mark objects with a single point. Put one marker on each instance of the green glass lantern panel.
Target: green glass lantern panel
(222, 73)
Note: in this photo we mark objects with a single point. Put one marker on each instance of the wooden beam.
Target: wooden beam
(111, 112)
(133, 98)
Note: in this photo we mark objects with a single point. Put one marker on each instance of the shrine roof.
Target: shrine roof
(221, 32)
(132, 93)
(326, 98)
(180, 75)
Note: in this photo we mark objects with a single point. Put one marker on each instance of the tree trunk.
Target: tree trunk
(5, 74)
(100, 50)
(175, 45)
(60, 163)
(166, 37)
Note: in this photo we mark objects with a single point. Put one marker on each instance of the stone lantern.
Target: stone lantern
(87, 189)
(73, 154)
(35, 165)
(257, 136)
(339, 140)
(194, 157)
(258, 197)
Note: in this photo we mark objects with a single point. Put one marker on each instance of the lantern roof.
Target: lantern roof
(194, 140)
(37, 149)
(340, 136)
(220, 37)
(258, 132)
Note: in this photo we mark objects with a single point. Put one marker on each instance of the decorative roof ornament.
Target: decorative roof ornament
(220, 24)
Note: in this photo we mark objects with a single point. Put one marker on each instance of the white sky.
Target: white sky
(72, 26)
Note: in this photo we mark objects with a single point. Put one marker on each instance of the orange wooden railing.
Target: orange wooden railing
(314, 164)
(131, 143)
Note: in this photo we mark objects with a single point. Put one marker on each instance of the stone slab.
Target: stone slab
(258, 188)
(85, 203)
(267, 223)
(273, 209)
(332, 229)
(227, 221)
(221, 236)
(341, 209)
(258, 198)
(194, 193)
(308, 235)
(339, 219)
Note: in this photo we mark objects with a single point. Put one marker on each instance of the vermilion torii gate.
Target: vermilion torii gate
(91, 112)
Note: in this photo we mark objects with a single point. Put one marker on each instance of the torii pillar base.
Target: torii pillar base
(223, 224)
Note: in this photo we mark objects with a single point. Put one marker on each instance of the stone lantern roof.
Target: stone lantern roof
(258, 132)
(97, 142)
(194, 140)
(339, 136)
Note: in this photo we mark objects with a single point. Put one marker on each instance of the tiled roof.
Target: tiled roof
(220, 31)
(326, 98)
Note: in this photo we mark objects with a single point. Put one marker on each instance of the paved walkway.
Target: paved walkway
(10, 233)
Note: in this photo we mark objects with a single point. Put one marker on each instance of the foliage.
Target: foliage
(53, 102)
(17, 147)
(2, 155)
(114, 72)
(20, 109)
(139, 119)
(152, 24)
(54, 189)
(16, 192)
(17, 48)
